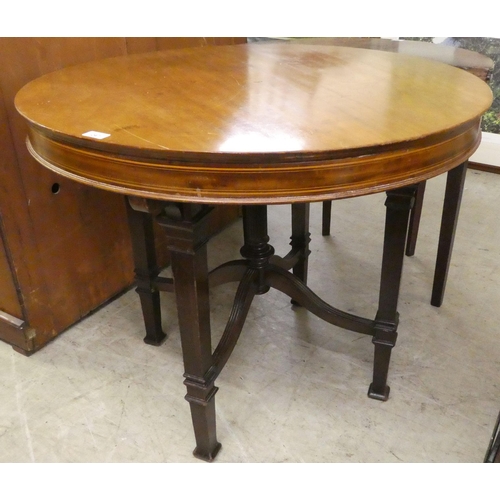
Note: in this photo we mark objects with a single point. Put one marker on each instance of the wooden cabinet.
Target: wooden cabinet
(60, 256)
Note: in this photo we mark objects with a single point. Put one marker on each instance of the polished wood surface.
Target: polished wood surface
(225, 124)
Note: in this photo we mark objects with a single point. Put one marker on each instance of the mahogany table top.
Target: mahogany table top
(254, 123)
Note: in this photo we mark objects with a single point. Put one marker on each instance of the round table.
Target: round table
(182, 131)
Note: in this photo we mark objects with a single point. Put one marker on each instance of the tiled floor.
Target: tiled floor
(295, 388)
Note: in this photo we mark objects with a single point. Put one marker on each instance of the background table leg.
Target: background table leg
(415, 215)
(300, 240)
(326, 217)
(451, 208)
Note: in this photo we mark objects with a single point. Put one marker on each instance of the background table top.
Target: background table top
(474, 62)
(241, 116)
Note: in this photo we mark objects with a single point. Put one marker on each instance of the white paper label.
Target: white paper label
(96, 135)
